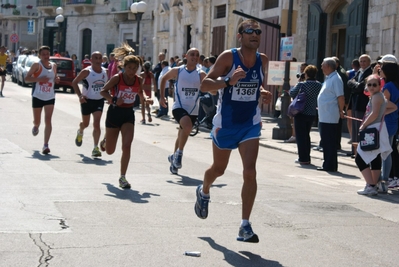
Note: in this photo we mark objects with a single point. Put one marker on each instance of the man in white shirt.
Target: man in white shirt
(163, 111)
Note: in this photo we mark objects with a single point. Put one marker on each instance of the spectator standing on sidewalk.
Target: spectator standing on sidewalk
(390, 73)
(303, 121)
(369, 162)
(185, 108)
(237, 123)
(330, 103)
(91, 101)
(358, 100)
(86, 61)
(350, 73)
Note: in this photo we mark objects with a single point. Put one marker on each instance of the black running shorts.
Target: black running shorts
(37, 103)
(179, 113)
(117, 116)
(92, 106)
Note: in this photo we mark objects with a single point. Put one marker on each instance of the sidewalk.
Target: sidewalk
(266, 140)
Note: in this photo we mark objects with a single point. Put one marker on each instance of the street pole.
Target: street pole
(138, 8)
(59, 19)
(284, 129)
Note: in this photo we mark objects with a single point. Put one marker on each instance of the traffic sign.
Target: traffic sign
(276, 72)
(14, 38)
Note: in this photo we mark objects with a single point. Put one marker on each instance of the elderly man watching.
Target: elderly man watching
(330, 104)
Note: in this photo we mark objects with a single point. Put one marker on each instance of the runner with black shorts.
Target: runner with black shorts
(91, 101)
(43, 75)
(120, 92)
(3, 65)
(185, 108)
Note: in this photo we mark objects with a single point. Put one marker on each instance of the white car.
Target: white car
(25, 67)
(15, 67)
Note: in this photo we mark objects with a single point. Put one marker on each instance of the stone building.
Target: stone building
(321, 28)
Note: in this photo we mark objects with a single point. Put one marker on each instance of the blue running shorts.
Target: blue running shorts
(232, 137)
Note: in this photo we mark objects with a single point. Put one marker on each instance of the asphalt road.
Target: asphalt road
(66, 209)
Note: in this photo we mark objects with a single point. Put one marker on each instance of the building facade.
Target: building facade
(321, 28)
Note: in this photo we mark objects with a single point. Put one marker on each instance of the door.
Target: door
(86, 44)
(315, 43)
(356, 30)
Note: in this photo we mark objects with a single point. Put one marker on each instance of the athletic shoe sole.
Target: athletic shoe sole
(252, 239)
(198, 208)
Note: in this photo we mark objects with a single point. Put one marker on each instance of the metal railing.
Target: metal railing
(81, 2)
(41, 3)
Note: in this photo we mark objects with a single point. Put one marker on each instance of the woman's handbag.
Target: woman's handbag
(369, 138)
(298, 104)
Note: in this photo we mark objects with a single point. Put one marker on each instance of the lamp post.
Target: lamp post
(284, 129)
(59, 19)
(138, 8)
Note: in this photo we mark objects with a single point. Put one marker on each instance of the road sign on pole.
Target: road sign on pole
(14, 38)
(276, 72)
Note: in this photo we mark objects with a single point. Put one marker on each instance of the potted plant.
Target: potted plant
(16, 12)
(29, 7)
(5, 5)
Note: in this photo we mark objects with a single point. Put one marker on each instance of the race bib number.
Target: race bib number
(128, 97)
(189, 92)
(45, 87)
(244, 91)
(97, 86)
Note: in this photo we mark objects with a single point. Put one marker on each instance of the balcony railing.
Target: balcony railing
(81, 2)
(51, 3)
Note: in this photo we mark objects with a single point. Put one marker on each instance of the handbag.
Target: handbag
(369, 138)
(298, 104)
(278, 104)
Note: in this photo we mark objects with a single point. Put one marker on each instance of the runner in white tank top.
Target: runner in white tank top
(43, 75)
(185, 109)
(91, 101)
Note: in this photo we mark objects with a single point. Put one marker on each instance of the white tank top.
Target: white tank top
(93, 83)
(187, 90)
(41, 90)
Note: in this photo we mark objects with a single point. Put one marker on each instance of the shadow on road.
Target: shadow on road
(236, 259)
(188, 181)
(128, 194)
(37, 155)
(94, 161)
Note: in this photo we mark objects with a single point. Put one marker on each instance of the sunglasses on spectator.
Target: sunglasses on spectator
(372, 84)
(251, 31)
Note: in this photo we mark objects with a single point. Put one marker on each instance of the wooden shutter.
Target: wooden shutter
(218, 40)
(315, 43)
(355, 43)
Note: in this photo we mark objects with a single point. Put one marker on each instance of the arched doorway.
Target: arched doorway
(86, 42)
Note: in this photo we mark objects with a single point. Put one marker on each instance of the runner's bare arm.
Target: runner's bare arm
(82, 75)
(221, 67)
(108, 86)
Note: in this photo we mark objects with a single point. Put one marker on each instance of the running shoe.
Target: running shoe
(177, 160)
(35, 130)
(201, 205)
(245, 234)
(79, 138)
(124, 183)
(172, 168)
(142, 121)
(102, 145)
(96, 152)
(45, 150)
(149, 117)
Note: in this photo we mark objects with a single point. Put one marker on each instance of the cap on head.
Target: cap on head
(388, 58)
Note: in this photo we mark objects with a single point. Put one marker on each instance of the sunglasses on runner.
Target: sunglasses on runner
(251, 31)
(372, 84)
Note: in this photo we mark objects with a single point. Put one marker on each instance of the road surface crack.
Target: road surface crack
(44, 248)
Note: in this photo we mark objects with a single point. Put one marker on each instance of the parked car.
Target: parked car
(66, 72)
(25, 67)
(15, 66)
